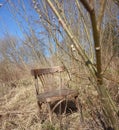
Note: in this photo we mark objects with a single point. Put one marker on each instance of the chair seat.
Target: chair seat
(55, 95)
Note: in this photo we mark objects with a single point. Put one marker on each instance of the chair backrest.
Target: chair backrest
(51, 78)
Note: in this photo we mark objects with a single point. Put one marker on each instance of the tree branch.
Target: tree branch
(74, 40)
(87, 6)
(102, 9)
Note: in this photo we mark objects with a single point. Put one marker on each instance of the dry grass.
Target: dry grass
(18, 111)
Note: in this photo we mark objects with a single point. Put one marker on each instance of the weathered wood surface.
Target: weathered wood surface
(59, 101)
(52, 70)
(56, 95)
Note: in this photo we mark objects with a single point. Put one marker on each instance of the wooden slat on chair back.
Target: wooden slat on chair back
(47, 75)
(52, 70)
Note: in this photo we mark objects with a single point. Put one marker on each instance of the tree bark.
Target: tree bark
(107, 102)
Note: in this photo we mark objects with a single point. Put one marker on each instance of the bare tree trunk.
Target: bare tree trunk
(107, 102)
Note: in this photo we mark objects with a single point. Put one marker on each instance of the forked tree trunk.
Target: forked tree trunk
(107, 103)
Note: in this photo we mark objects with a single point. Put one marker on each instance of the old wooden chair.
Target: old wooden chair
(53, 94)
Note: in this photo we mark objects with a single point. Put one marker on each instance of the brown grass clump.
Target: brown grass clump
(18, 107)
(18, 110)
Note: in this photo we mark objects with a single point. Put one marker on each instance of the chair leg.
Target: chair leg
(50, 112)
(79, 107)
(40, 112)
(39, 105)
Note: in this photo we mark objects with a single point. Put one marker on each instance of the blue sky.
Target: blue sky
(7, 19)
(7, 23)
(10, 20)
